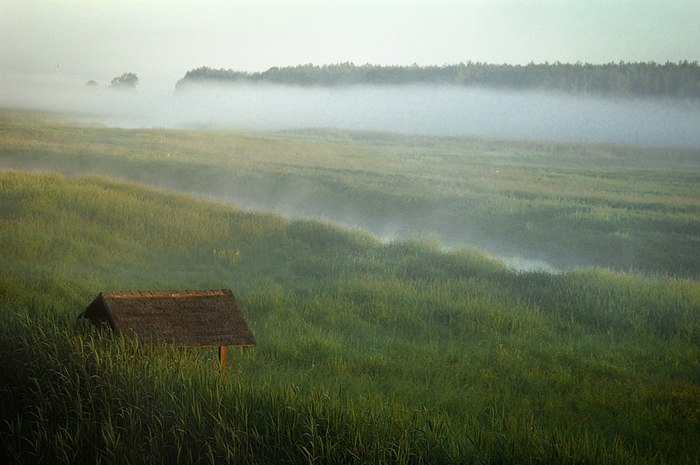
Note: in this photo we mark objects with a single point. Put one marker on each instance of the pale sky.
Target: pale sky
(161, 40)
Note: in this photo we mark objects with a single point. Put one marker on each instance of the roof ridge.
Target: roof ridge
(170, 293)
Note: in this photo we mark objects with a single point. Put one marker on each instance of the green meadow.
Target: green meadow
(619, 207)
(417, 350)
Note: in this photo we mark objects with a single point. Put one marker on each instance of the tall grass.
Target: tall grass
(626, 208)
(77, 397)
(368, 352)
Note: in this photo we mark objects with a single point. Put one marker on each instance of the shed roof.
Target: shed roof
(186, 318)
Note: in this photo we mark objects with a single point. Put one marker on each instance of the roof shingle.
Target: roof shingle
(207, 318)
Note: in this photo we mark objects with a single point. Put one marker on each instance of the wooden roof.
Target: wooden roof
(186, 318)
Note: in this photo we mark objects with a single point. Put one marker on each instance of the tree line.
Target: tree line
(679, 80)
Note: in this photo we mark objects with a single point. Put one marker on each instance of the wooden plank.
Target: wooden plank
(222, 359)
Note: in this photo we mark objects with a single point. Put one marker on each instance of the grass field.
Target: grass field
(368, 351)
(625, 208)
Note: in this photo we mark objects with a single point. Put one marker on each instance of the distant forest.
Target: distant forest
(678, 80)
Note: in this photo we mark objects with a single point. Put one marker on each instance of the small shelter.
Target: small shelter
(209, 318)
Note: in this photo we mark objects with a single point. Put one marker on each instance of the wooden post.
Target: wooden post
(222, 359)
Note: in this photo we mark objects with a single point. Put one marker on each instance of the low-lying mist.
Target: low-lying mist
(442, 110)
(418, 109)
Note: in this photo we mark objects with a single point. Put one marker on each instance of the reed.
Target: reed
(625, 208)
(367, 351)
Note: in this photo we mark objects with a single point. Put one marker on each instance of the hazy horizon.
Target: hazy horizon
(411, 109)
(50, 49)
(160, 40)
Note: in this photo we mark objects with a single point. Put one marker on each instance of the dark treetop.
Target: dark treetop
(676, 80)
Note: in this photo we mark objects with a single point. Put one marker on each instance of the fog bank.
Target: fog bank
(442, 110)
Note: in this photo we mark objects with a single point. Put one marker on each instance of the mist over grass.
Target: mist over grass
(540, 205)
(367, 352)
(413, 109)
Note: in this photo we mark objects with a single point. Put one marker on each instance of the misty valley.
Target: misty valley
(550, 205)
(433, 274)
(436, 109)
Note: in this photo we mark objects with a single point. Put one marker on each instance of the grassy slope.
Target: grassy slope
(572, 204)
(367, 352)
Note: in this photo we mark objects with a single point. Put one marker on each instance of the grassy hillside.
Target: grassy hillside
(625, 208)
(368, 352)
